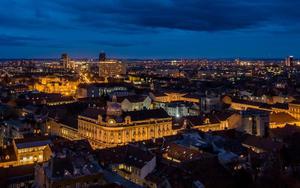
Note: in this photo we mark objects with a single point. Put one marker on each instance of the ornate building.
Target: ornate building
(114, 127)
(294, 109)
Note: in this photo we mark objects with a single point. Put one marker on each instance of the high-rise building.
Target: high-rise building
(102, 56)
(111, 69)
(289, 61)
(65, 60)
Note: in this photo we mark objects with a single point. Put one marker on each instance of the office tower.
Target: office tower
(65, 60)
(102, 56)
(289, 61)
(111, 69)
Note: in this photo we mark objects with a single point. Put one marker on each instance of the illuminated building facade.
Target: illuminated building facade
(114, 127)
(212, 122)
(133, 102)
(180, 109)
(294, 109)
(63, 130)
(173, 97)
(289, 61)
(60, 85)
(238, 104)
(111, 69)
(27, 151)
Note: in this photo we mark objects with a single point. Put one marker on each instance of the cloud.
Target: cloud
(9, 40)
(134, 15)
(118, 43)
(28, 41)
(83, 26)
(194, 15)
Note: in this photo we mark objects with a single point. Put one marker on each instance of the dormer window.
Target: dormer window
(127, 119)
(206, 121)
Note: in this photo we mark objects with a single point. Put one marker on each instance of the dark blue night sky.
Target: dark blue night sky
(150, 28)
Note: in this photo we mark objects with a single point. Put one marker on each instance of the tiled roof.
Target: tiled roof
(93, 113)
(147, 114)
(284, 132)
(183, 153)
(200, 120)
(32, 142)
(282, 117)
(265, 144)
(132, 98)
(11, 174)
(130, 155)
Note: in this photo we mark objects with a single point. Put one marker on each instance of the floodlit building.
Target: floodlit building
(115, 127)
(26, 151)
(61, 85)
(289, 61)
(173, 96)
(111, 69)
(133, 102)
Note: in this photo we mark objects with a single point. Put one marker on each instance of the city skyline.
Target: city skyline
(153, 29)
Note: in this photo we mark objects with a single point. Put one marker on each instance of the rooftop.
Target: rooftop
(72, 159)
(129, 154)
(32, 142)
(183, 153)
(282, 118)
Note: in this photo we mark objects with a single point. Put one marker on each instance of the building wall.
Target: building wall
(255, 124)
(208, 127)
(28, 155)
(93, 92)
(56, 85)
(294, 110)
(58, 129)
(210, 103)
(111, 69)
(135, 174)
(102, 134)
(172, 97)
(44, 179)
(132, 106)
(234, 121)
(242, 106)
(148, 168)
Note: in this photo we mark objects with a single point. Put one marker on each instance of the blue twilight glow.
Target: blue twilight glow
(152, 28)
